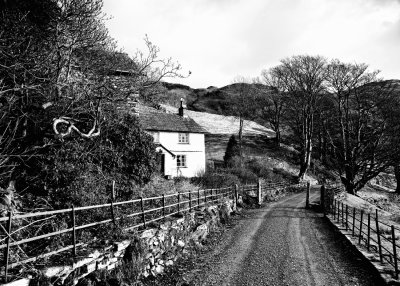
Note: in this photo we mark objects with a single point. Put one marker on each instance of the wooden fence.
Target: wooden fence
(371, 231)
(22, 246)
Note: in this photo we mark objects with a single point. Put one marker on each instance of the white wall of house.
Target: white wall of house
(194, 152)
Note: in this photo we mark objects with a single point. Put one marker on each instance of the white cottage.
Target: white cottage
(180, 142)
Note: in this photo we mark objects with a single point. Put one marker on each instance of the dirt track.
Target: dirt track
(284, 244)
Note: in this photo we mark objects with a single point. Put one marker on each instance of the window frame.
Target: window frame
(179, 161)
(184, 135)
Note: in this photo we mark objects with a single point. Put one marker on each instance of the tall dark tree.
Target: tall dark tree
(232, 151)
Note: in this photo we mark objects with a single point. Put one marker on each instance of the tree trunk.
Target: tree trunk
(278, 138)
(305, 161)
(240, 140)
(348, 181)
(307, 148)
(397, 176)
(277, 131)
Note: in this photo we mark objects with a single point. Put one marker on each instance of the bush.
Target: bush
(245, 176)
(260, 169)
(215, 180)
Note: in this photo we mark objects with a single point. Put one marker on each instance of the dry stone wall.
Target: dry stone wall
(151, 251)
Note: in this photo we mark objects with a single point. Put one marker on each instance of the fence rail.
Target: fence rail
(70, 223)
(372, 232)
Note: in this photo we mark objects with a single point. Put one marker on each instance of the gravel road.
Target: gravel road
(284, 244)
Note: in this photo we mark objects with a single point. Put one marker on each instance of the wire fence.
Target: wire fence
(371, 231)
(28, 237)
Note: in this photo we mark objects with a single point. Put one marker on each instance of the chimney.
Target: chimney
(180, 110)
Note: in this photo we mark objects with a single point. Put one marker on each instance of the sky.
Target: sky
(218, 40)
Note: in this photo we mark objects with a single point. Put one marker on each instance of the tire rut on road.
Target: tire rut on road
(285, 244)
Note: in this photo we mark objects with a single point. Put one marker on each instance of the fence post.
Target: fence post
(308, 195)
(369, 231)
(361, 223)
(378, 235)
(338, 212)
(334, 209)
(236, 194)
(396, 269)
(190, 201)
(113, 191)
(112, 201)
(342, 213)
(205, 197)
(259, 194)
(73, 231)
(347, 217)
(354, 221)
(8, 241)
(322, 199)
(142, 208)
(198, 198)
(179, 202)
(163, 205)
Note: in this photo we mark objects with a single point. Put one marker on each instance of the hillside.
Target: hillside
(211, 99)
(257, 143)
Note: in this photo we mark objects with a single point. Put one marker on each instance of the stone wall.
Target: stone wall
(151, 251)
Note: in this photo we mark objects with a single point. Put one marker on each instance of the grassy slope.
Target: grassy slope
(257, 141)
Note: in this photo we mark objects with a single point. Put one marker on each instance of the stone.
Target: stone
(56, 271)
(201, 232)
(161, 236)
(121, 245)
(149, 233)
(169, 262)
(20, 282)
(159, 269)
(181, 243)
(88, 268)
(145, 274)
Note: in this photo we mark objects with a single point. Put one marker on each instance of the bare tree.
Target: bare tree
(362, 126)
(243, 104)
(302, 79)
(274, 103)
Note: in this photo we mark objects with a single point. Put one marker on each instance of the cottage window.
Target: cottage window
(181, 161)
(183, 138)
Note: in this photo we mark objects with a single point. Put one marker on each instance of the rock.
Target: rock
(169, 262)
(201, 232)
(181, 243)
(161, 236)
(145, 274)
(57, 271)
(159, 269)
(147, 234)
(20, 282)
(121, 245)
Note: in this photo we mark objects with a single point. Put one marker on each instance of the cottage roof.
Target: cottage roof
(169, 122)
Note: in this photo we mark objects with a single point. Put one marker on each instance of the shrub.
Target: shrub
(245, 176)
(215, 180)
(261, 170)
